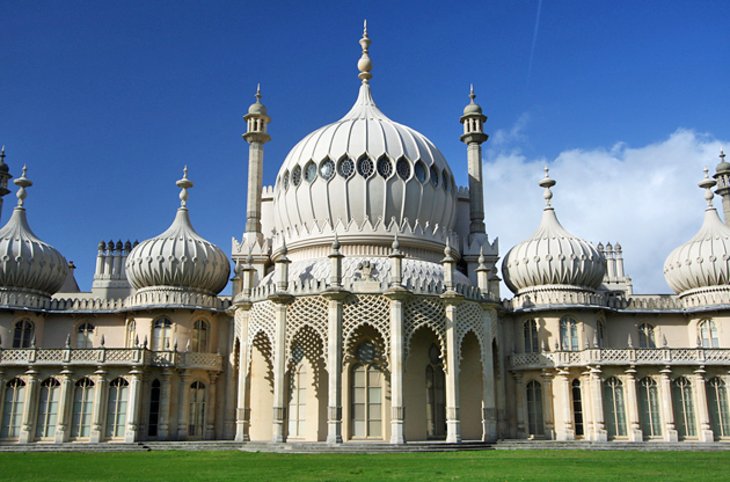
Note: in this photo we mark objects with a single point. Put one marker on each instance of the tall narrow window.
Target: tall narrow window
(47, 408)
(649, 414)
(85, 336)
(684, 415)
(568, 334)
(161, 334)
(601, 334)
(116, 413)
(435, 395)
(646, 336)
(534, 409)
(13, 408)
(197, 410)
(613, 407)
(82, 408)
(717, 402)
(297, 401)
(532, 345)
(708, 334)
(23, 334)
(200, 336)
(367, 394)
(154, 418)
(577, 408)
(131, 334)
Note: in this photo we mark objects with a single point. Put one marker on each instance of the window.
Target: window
(367, 394)
(577, 408)
(613, 407)
(568, 334)
(708, 334)
(47, 408)
(717, 402)
(434, 176)
(82, 408)
(345, 167)
(296, 175)
(200, 336)
(684, 416)
(649, 414)
(327, 169)
(435, 395)
(297, 402)
(85, 336)
(445, 182)
(116, 413)
(646, 336)
(23, 335)
(534, 408)
(285, 180)
(197, 410)
(420, 171)
(161, 334)
(154, 419)
(403, 168)
(601, 334)
(385, 168)
(532, 344)
(365, 167)
(13, 408)
(310, 172)
(131, 334)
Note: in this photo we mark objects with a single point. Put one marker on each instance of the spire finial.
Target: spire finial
(364, 65)
(22, 182)
(2, 154)
(258, 92)
(184, 184)
(722, 154)
(547, 182)
(707, 184)
(472, 95)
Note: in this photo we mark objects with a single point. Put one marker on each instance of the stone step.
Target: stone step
(521, 444)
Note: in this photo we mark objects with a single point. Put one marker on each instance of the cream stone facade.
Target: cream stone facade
(365, 307)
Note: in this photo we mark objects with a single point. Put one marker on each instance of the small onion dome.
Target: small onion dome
(552, 256)
(27, 264)
(179, 257)
(723, 166)
(472, 108)
(257, 108)
(704, 260)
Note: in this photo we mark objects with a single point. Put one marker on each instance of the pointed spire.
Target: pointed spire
(472, 95)
(547, 182)
(364, 65)
(258, 93)
(22, 182)
(2, 155)
(184, 184)
(707, 184)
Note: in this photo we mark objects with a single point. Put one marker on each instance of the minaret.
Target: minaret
(4, 178)
(473, 120)
(256, 122)
(722, 176)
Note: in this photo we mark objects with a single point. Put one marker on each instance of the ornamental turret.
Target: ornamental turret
(257, 121)
(4, 178)
(722, 177)
(473, 136)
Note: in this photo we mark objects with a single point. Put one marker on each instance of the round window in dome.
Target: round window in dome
(420, 171)
(365, 167)
(434, 177)
(285, 180)
(310, 172)
(385, 168)
(403, 169)
(346, 167)
(296, 175)
(327, 169)
(445, 180)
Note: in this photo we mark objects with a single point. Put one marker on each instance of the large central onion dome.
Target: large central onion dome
(704, 260)
(552, 258)
(179, 258)
(28, 266)
(365, 169)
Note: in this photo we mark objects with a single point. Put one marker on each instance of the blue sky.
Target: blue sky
(107, 101)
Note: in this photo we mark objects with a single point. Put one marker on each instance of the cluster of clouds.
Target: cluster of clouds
(644, 197)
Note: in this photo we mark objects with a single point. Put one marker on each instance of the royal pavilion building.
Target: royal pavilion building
(364, 305)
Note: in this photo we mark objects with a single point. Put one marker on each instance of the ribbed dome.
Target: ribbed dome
(178, 258)
(553, 257)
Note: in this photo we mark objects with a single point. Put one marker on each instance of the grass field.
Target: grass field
(489, 465)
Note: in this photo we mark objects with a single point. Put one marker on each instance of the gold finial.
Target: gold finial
(364, 65)
(22, 182)
(184, 184)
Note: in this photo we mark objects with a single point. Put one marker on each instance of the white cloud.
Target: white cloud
(645, 197)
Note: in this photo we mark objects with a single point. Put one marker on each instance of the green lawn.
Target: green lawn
(489, 465)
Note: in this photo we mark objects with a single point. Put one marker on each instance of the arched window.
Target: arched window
(200, 336)
(532, 344)
(577, 408)
(298, 401)
(13, 408)
(613, 407)
(534, 408)
(367, 394)
(601, 334)
(85, 336)
(646, 336)
(47, 408)
(717, 402)
(197, 410)
(708, 334)
(649, 414)
(161, 334)
(684, 414)
(23, 334)
(131, 334)
(568, 334)
(82, 408)
(154, 419)
(116, 413)
(435, 395)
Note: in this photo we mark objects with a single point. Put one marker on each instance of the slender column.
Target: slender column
(29, 409)
(397, 420)
(97, 423)
(703, 414)
(3, 381)
(547, 404)
(242, 409)
(334, 366)
(63, 425)
(211, 409)
(632, 406)
(453, 418)
(163, 427)
(599, 424)
(134, 411)
(520, 405)
(256, 136)
(183, 409)
(473, 120)
(279, 349)
(665, 387)
(489, 408)
(564, 425)
(229, 390)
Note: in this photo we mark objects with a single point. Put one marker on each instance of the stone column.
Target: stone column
(563, 400)
(703, 414)
(134, 410)
(665, 390)
(97, 424)
(163, 425)
(520, 405)
(334, 365)
(632, 406)
(281, 301)
(63, 425)
(599, 425)
(29, 407)
(453, 417)
(489, 408)
(229, 403)
(397, 294)
(242, 410)
(183, 409)
(547, 405)
(211, 409)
